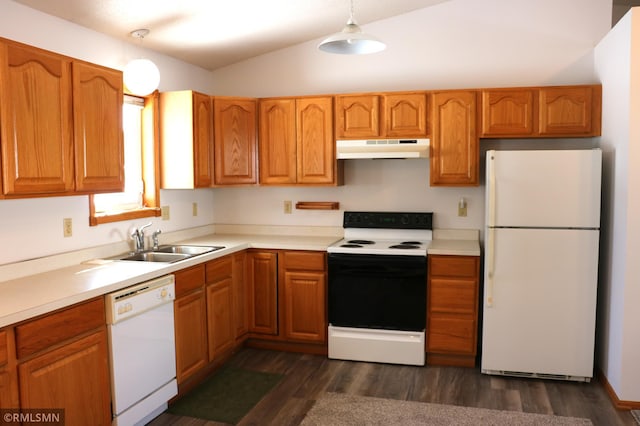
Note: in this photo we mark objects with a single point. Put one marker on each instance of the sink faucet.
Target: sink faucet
(154, 238)
(138, 237)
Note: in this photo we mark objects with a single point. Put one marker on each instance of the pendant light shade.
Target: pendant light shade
(141, 76)
(351, 40)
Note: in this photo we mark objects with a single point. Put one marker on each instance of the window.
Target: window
(141, 195)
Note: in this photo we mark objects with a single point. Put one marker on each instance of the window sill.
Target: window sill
(129, 215)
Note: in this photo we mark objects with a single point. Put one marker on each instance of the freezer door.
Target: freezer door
(540, 302)
(544, 188)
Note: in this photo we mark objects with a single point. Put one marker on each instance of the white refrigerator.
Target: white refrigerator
(541, 263)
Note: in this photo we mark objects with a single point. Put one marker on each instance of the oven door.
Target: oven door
(377, 291)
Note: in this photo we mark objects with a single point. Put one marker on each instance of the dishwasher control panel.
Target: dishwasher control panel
(134, 300)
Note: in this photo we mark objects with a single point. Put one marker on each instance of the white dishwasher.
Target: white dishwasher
(142, 350)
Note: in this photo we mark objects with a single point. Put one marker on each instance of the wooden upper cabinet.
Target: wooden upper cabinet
(235, 141)
(316, 158)
(35, 120)
(357, 116)
(373, 115)
(296, 141)
(405, 115)
(507, 112)
(570, 111)
(560, 111)
(98, 134)
(277, 141)
(186, 140)
(454, 144)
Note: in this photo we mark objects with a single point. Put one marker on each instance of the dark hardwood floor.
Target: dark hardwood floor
(308, 376)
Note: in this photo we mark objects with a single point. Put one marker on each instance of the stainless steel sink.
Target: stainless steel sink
(187, 249)
(168, 253)
(151, 256)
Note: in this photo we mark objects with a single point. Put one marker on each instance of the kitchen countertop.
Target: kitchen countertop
(40, 293)
(33, 295)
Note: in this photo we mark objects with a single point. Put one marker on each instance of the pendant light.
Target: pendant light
(351, 40)
(141, 76)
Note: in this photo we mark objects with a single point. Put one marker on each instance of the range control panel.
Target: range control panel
(388, 220)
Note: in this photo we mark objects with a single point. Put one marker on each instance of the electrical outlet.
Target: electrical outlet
(165, 212)
(462, 207)
(194, 209)
(67, 227)
(287, 207)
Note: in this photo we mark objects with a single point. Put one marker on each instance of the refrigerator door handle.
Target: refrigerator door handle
(491, 220)
(490, 266)
(491, 199)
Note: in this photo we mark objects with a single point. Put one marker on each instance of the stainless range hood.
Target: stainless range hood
(382, 148)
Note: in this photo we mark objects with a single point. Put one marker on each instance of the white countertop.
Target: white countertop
(32, 295)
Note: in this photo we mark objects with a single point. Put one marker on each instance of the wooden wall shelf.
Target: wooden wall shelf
(317, 205)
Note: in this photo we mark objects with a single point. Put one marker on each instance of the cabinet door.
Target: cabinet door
(357, 116)
(98, 134)
(74, 376)
(508, 112)
(262, 276)
(191, 334)
(277, 141)
(240, 295)
(316, 158)
(455, 144)
(219, 317)
(405, 115)
(202, 141)
(235, 141)
(35, 121)
(569, 111)
(304, 306)
(186, 140)
(8, 370)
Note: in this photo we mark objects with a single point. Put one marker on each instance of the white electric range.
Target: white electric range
(377, 287)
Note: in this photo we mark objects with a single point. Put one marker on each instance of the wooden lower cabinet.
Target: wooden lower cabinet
(220, 328)
(8, 370)
(62, 365)
(452, 310)
(262, 276)
(240, 295)
(303, 296)
(74, 377)
(190, 318)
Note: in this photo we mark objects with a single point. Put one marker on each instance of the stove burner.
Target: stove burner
(413, 243)
(351, 245)
(404, 246)
(360, 242)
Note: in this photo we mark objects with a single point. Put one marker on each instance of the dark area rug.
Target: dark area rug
(227, 396)
(636, 415)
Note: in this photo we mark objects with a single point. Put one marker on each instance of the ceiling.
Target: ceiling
(213, 33)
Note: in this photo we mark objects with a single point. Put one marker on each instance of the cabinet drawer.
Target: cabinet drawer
(451, 334)
(219, 269)
(4, 350)
(59, 326)
(452, 295)
(454, 266)
(189, 279)
(304, 260)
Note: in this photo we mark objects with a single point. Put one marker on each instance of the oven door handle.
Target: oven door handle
(374, 270)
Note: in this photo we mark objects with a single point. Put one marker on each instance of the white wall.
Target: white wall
(617, 59)
(458, 43)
